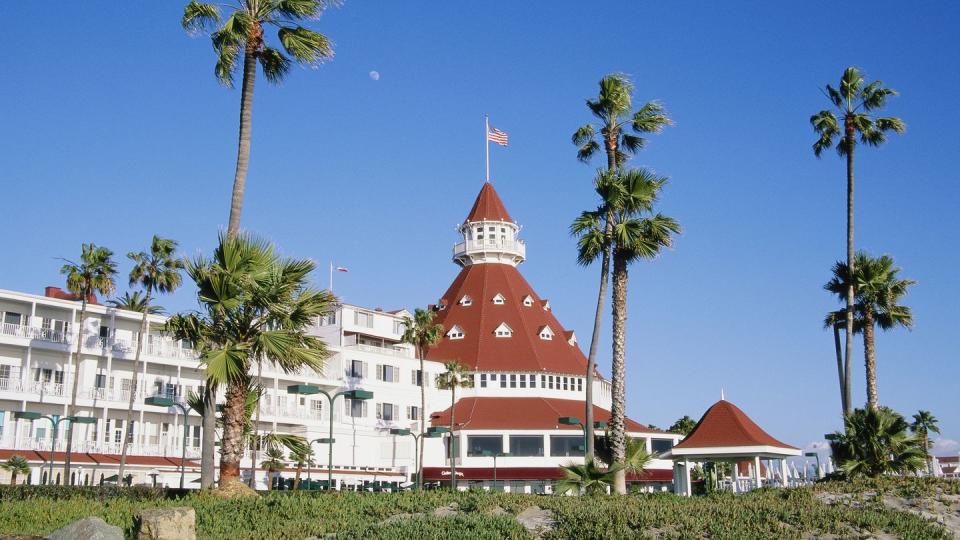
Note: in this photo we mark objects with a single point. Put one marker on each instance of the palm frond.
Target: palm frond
(307, 46)
(199, 17)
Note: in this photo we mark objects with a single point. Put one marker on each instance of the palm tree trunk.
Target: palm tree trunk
(255, 447)
(243, 149)
(839, 350)
(595, 338)
(296, 478)
(453, 445)
(423, 420)
(133, 385)
(870, 359)
(13, 478)
(73, 394)
(209, 437)
(231, 444)
(618, 436)
(848, 371)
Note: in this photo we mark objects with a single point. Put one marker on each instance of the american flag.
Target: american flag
(342, 269)
(497, 136)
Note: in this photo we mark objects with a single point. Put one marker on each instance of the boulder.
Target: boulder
(91, 528)
(536, 519)
(176, 523)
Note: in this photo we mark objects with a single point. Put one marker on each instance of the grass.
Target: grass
(767, 513)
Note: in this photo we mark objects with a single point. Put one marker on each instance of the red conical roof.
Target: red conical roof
(479, 349)
(488, 206)
(724, 424)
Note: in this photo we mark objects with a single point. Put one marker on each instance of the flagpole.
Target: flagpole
(331, 276)
(486, 142)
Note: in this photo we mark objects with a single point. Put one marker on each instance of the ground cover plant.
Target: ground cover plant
(857, 511)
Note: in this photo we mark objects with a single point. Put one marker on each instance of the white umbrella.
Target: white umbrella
(935, 469)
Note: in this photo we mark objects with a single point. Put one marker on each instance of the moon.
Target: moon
(375, 75)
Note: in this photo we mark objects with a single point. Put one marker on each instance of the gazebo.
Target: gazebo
(727, 434)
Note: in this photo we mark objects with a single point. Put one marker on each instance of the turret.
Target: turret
(489, 234)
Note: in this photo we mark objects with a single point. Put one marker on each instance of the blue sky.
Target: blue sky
(115, 129)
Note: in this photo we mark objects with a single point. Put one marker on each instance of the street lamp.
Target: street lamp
(814, 455)
(495, 455)
(431, 433)
(309, 390)
(55, 420)
(160, 401)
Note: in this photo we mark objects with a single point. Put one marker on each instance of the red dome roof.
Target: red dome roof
(488, 206)
(724, 424)
(479, 349)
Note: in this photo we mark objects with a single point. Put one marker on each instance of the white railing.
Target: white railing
(491, 244)
(46, 388)
(391, 351)
(10, 385)
(30, 332)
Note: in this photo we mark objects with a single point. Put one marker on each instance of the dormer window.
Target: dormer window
(499, 299)
(466, 300)
(572, 338)
(546, 333)
(546, 305)
(455, 333)
(442, 305)
(528, 300)
(503, 331)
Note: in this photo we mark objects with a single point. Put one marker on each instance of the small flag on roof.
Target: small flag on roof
(342, 269)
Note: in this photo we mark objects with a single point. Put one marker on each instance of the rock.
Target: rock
(536, 519)
(446, 511)
(20, 537)
(91, 528)
(496, 511)
(177, 523)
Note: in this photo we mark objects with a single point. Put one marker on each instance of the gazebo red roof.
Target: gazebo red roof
(499, 413)
(725, 425)
(488, 206)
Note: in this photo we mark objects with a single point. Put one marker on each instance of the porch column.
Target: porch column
(733, 475)
(783, 472)
(687, 488)
(756, 472)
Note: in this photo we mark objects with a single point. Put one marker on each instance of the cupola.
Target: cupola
(489, 234)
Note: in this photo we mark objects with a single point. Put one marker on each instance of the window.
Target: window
(100, 381)
(579, 385)
(528, 300)
(455, 333)
(565, 383)
(546, 305)
(466, 300)
(456, 445)
(355, 408)
(104, 331)
(503, 380)
(316, 407)
(566, 445)
(194, 431)
(526, 445)
(551, 382)
(386, 412)
(513, 380)
(543, 381)
(58, 377)
(546, 333)
(483, 380)
(12, 318)
(503, 330)
(413, 412)
(387, 373)
(4, 371)
(416, 378)
(399, 327)
(358, 369)
(363, 319)
(523, 380)
(533, 381)
(659, 446)
(328, 318)
(499, 299)
(130, 429)
(478, 444)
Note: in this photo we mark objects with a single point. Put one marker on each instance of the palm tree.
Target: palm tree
(923, 423)
(613, 108)
(853, 101)
(16, 466)
(301, 458)
(255, 305)
(134, 301)
(636, 235)
(587, 478)
(636, 458)
(837, 320)
(878, 293)
(156, 272)
(875, 442)
(274, 462)
(93, 274)
(421, 332)
(243, 32)
(683, 426)
(455, 376)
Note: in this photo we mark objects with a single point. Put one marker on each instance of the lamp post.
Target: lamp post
(55, 420)
(160, 401)
(308, 390)
(330, 441)
(574, 421)
(817, 457)
(430, 434)
(495, 455)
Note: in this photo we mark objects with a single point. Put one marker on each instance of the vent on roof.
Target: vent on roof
(455, 333)
(499, 299)
(466, 300)
(528, 300)
(503, 330)
(546, 333)
(546, 305)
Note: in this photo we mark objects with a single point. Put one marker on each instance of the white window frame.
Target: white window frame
(499, 299)
(456, 332)
(503, 331)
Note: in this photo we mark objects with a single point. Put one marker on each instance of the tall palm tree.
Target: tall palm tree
(421, 332)
(156, 272)
(274, 462)
(455, 376)
(854, 102)
(134, 301)
(924, 422)
(255, 305)
(878, 293)
(16, 466)
(616, 118)
(637, 234)
(94, 273)
(875, 442)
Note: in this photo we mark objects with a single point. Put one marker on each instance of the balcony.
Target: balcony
(401, 352)
(30, 332)
(491, 249)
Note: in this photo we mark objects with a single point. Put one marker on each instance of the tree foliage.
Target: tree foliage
(875, 442)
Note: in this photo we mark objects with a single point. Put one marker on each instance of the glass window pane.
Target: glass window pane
(478, 444)
(566, 445)
(526, 445)
(661, 445)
